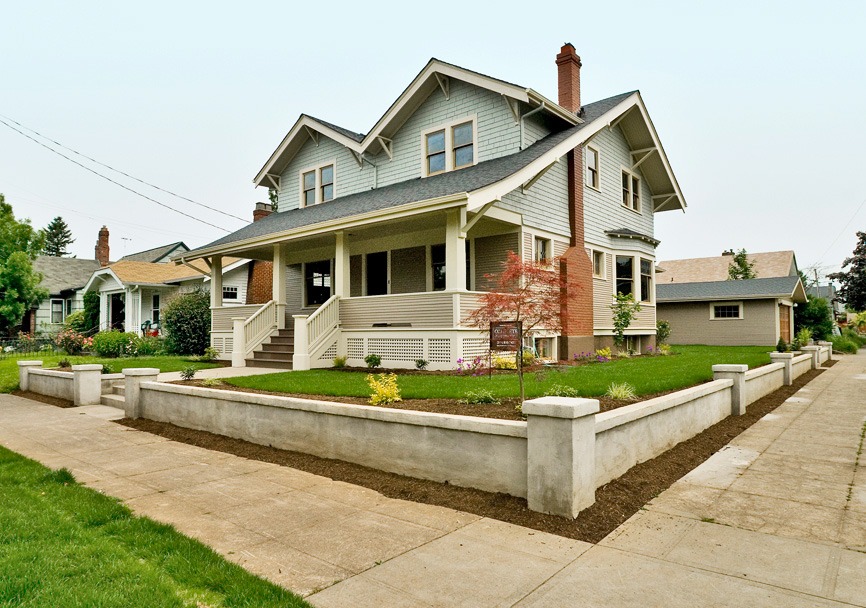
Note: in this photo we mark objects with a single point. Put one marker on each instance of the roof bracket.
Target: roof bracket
(647, 152)
(514, 106)
(619, 119)
(274, 179)
(667, 198)
(314, 135)
(464, 229)
(359, 158)
(531, 182)
(444, 84)
(387, 145)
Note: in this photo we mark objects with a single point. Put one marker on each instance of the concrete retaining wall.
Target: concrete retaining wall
(762, 381)
(52, 383)
(800, 365)
(466, 451)
(636, 433)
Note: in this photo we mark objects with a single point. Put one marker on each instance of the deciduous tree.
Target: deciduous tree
(853, 280)
(740, 267)
(19, 283)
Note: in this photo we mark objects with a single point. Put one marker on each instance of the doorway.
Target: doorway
(377, 273)
(117, 311)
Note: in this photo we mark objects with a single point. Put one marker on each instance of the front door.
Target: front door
(377, 273)
(117, 311)
(785, 322)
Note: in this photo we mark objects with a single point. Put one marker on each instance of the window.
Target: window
(317, 279)
(317, 184)
(437, 263)
(598, 268)
(726, 310)
(154, 308)
(56, 311)
(646, 280)
(624, 275)
(630, 191)
(542, 250)
(449, 147)
(544, 348)
(230, 293)
(68, 307)
(592, 168)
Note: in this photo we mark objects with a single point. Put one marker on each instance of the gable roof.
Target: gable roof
(747, 289)
(696, 270)
(434, 75)
(149, 273)
(155, 254)
(473, 186)
(63, 274)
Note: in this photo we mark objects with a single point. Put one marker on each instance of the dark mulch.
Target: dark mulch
(615, 501)
(44, 398)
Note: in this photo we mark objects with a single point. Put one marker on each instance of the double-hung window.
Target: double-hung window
(317, 185)
(592, 168)
(449, 147)
(630, 191)
(56, 311)
(154, 309)
(542, 250)
(624, 274)
(646, 280)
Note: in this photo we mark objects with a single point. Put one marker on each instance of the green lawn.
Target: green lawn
(62, 544)
(9, 365)
(688, 366)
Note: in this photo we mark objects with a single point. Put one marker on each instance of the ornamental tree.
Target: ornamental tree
(529, 292)
(19, 283)
(853, 280)
(740, 267)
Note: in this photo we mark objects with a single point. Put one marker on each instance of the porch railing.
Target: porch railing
(260, 326)
(321, 322)
(313, 332)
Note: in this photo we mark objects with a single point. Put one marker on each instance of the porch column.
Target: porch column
(455, 250)
(216, 281)
(279, 284)
(341, 266)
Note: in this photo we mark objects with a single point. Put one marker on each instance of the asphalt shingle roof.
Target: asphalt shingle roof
(696, 270)
(152, 255)
(418, 189)
(60, 274)
(350, 134)
(774, 287)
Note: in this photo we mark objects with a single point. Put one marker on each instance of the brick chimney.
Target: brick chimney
(262, 210)
(101, 249)
(568, 66)
(575, 265)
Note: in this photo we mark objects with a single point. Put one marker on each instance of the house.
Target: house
(830, 294)
(157, 255)
(384, 239)
(704, 307)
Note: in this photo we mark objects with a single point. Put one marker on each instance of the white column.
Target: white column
(301, 357)
(239, 342)
(87, 384)
(341, 266)
(216, 281)
(103, 310)
(24, 368)
(455, 250)
(736, 373)
(133, 377)
(279, 285)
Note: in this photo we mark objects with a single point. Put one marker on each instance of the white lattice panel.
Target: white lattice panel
(355, 348)
(474, 347)
(439, 350)
(397, 349)
(329, 353)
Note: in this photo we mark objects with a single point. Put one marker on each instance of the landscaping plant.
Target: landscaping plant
(113, 343)
(562, 390)
(663, 332)
(804, 336)
(373, 361)
(91, 311)
(384, 387)
(187, 373)
(421, 364)
(186, 322)
(76, 321)
(620, 390)
(339, 362)
(64, 363)
(625, 311)
(814, 315)
(781, 346)
(73, 342)
(211, 382)
(478, 397)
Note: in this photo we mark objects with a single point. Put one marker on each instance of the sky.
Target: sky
(760, 106)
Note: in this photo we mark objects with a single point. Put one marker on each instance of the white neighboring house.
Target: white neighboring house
(64, 278)
(133, 293)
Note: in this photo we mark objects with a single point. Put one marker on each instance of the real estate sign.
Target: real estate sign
(505, 335)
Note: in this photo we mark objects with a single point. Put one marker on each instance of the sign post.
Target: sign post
(508, 336)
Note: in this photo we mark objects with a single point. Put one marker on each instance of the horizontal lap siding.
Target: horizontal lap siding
(602, 296)
(237, 278)
(421, 310)
(356, 276)
(490, 253)
(691, 324)
(409, 270)
(348, 177)
(545, 204)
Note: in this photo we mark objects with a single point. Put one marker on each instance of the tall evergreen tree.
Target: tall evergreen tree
(740, 267)
(57, 238)
(853, 280)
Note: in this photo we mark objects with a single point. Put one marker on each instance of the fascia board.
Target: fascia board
(661, 152)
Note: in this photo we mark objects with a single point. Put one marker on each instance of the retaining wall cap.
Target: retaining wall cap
(810, 348)
(781, 355)
(29, 363)
(731, 368)
(87, 367)
(140, 371)
(560, 407)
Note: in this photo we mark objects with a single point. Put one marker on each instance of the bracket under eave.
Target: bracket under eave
(274, 179)
(387, 146)
(444, 84)
(465, 228)
(314, 135)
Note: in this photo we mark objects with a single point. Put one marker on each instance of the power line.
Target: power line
(132, 177)
(844, 228)
(105, 177)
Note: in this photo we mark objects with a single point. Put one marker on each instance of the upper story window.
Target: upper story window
(317, 184)
(624, 274)
(542, 250)
(448, 147)
(593, 166)
(598, 264)
(630, 191)
(646, 280)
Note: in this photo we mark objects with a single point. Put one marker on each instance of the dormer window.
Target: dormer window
(317, 184)
(448, 147)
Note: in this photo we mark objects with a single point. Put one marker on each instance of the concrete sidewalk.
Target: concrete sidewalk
(777, 518)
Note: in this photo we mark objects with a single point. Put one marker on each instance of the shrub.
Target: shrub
(211, 382)
(625, 311)
(504, 362)
(620, 390)
(781, 346)
(72, 341)
(373, 361)
(479, 396)
(527, 358)
(854, 336)
(106, 369)
(145, 346)
(844, 345)
(339, 362)
(814, 314)
(113, 343)
(64, 363)
(663, 349)
(421, 364)
(210, 354)
(602, 355)
(562, 390)
(663, 331)
(795, 344)
(186, 322)
(76, 321)
(384, 387)
(187, 373)
(475, 368)
(91, 311)
(804, 336)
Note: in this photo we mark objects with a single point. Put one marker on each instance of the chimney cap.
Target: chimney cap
(264, 207)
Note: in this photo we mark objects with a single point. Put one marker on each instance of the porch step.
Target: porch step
(286, 333)
(273, 355)
(273, 363)
(118, 389)
(288, 340)
(278, 347)
(117, 401)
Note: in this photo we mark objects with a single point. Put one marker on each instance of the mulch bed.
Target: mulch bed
(44, 398)
(615, 501)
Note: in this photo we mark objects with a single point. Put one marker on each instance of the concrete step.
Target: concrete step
(274, 363)
(277, 356)
(117, 401)
(118, 390)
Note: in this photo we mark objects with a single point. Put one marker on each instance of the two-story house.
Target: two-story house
(386, 238)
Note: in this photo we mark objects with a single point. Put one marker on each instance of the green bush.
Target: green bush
(373, 361)
(479, 397)
(562, 390)
(781, 346)
(146, 346)
(76, 322)
(187, 373)
(186, 322)
(210, 354)
(814, 315)
(339, 362)
(663, 331)
(113, 343)
(91, 311)
(620, 390)
(421, 364)
(844, 345)
(804, 336)
(854, 336)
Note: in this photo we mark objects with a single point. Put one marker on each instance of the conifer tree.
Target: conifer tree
(57, 238)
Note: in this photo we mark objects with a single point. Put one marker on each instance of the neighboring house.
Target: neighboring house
(704, 307)
(385, 240)
(133, 293)
(64, 278)
(828, 292)
(157, 255)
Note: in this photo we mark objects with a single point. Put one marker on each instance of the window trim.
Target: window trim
(448, 127)
(591, 148)
(232, 289)
(713, 305)
(549, 243)
(603, 254)
(634, 287)
(652, 278)
(62, 303)
(317, 169)
(632, 176)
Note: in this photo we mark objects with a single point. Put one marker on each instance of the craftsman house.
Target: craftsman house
(384, 239)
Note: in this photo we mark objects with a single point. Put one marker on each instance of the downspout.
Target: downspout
(522, 118)
(375, 171)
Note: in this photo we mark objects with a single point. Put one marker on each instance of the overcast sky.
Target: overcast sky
(761, 106)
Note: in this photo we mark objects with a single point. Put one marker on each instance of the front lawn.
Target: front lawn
(62, 544)
(689, 365)
(166, 363)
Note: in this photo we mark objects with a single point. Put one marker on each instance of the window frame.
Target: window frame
(318, 186)
(51, 310)
(231, 289)
(603, 274)
(592, 150)
(738, 304)
(548, 246)
(644, 299)
(155, 306)
(632, 205)
(450, 150)
(616, 278)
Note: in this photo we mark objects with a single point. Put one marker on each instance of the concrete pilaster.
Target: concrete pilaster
(24, 373)
(87, 384)
(737, 373)
(784, 358)
(132, 393)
